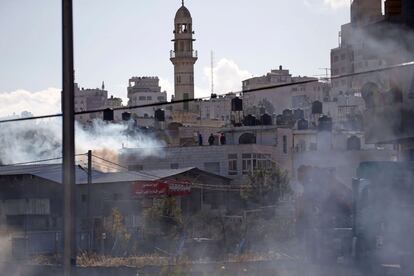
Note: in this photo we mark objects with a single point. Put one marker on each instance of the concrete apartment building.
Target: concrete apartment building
(339, 151)
(218, 108)
(275, 100)
(246, 149)
(368, 42)
(90, 99)
(142, 91)
(113, 102)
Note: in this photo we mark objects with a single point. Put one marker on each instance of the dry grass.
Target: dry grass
(95, 260)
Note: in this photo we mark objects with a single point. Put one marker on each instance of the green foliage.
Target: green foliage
(165, 215)
(266, 186)
(117, 232)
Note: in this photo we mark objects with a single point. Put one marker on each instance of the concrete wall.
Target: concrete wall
(345, 163)
(205, 157)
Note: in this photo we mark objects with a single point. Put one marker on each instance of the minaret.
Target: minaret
(183, 57)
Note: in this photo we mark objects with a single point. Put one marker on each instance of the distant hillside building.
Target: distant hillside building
(114, 102)
(218, 109)
(90, 99)
(374, 41)
(274, 100)
(142, 91)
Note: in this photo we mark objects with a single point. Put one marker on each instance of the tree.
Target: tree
(266, 186)
(165, 214)
(117, 232)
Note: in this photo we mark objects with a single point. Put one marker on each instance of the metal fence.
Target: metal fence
(44, 243)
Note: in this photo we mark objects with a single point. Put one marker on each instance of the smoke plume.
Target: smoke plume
(38, 140)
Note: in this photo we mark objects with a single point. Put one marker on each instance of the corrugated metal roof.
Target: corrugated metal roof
(164, 173)
(53, 172)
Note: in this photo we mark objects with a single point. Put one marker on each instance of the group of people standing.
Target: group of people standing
(211, 139)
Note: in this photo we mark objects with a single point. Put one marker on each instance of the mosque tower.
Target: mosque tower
(183, 57)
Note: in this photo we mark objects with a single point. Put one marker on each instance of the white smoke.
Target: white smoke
(228, 77)
(336, 4)
(327, 5)
(38, 140)
(40, 102)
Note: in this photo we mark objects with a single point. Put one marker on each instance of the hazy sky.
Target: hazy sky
(115, 40)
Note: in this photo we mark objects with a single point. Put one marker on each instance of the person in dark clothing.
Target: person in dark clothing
(222, 139)
(211, 139)
(200, 139)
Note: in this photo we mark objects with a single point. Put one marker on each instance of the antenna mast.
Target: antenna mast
(212, 72)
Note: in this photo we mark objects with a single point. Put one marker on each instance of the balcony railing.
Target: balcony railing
(186, 54)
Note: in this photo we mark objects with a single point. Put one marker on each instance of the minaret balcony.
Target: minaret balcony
(183, 54)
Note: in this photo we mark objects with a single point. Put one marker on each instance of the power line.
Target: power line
(125, 168)
(160, 104)
(36, 161)
(100, 165)
(110, 162)
(112, 165)
(205, 186)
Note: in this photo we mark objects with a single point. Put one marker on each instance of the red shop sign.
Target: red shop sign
(158, 188)
(149, 189)
(178, 188)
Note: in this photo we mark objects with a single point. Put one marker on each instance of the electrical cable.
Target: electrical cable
(208, 186)
(125, 168)
(36, 161)
(113, 166)
(401, 65)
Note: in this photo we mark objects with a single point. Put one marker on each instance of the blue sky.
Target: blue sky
(115, 40)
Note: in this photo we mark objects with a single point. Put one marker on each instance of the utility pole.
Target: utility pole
(68, 136)
(88, 208)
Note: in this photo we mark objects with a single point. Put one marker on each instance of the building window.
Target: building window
(174, 166)
(149, 98)
(161, 99)
(255, 161)
(142, 98)
(285, 144)
(232, 164)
